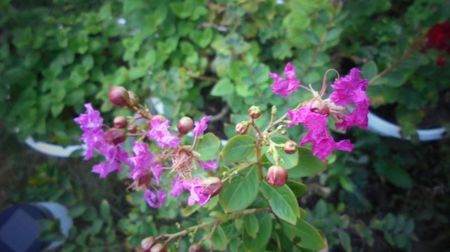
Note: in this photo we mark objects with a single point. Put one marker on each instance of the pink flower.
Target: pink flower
(155, 198)
(178, 186)
(114, 156)
(285, 87)
(351, 90)
(91, 123)
(143, 162)
(210, 165)
(201, 126)
(160, 133)
(197, 193)
(91, 120)
(202, 189)
(316, 124)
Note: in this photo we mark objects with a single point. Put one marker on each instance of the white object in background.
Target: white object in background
(382, 127)
(53, 150)
(60, 213)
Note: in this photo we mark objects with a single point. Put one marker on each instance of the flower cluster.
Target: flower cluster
(348, 105)
(155, 150)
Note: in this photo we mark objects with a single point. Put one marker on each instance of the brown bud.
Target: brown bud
(118, 96)
(120, 122)
(254, 112)
(212, 185)
(134, 100)
(115, 136)
(277, 175)
(158, 247)
(132, 128)
(196, 248)
(320, 107)
(241, 128)
(185, 125)
(148, 243)
(290, 147)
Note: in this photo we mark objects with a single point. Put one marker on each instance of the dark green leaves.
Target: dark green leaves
(282, 201)
(208, 146)
(241, 191)
(239, 148)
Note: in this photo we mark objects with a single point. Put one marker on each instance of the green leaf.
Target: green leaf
(369, 70)
(299, 189)
(344, 240)
(397, 176)
(208, 146)
(282, 201)
(105, 210)
(96, 226)
(241, 191)
(262, 237)
(251, 225)
(77, 211)
(304, 235)
(219, 239)
(239, 148)
(223, 87)
(308, 165)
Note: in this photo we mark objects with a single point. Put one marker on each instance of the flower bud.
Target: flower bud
(254, 112)
(118, 96)
(290, 147)
(134, 100)
(241, 128)
(196, 248)
(212, 186)
(320, 107)
(115, 136)
(277, 175)
(158, 247)
(185, 125)
(148, 243)
(120, 122)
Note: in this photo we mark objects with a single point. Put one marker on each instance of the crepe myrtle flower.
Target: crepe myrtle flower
(96, 139)
(285, 86)
(155, 198)
(210, 165)
(201, 126)
(159, 132)
(348, 104)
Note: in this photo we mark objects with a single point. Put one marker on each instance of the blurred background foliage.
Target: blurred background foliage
(214, 57)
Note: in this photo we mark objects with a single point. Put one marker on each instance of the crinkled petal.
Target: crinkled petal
(201, 126)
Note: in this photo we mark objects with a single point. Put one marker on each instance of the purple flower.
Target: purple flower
(178, 186)
(210, 165)
(197, 192)
(143, 162)
(91, 120)
(160, 133)
(91, 124)
(285, 87)
(114, 156)
(155, 198)
(351, 90)
(201, 126)
(316, 124)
